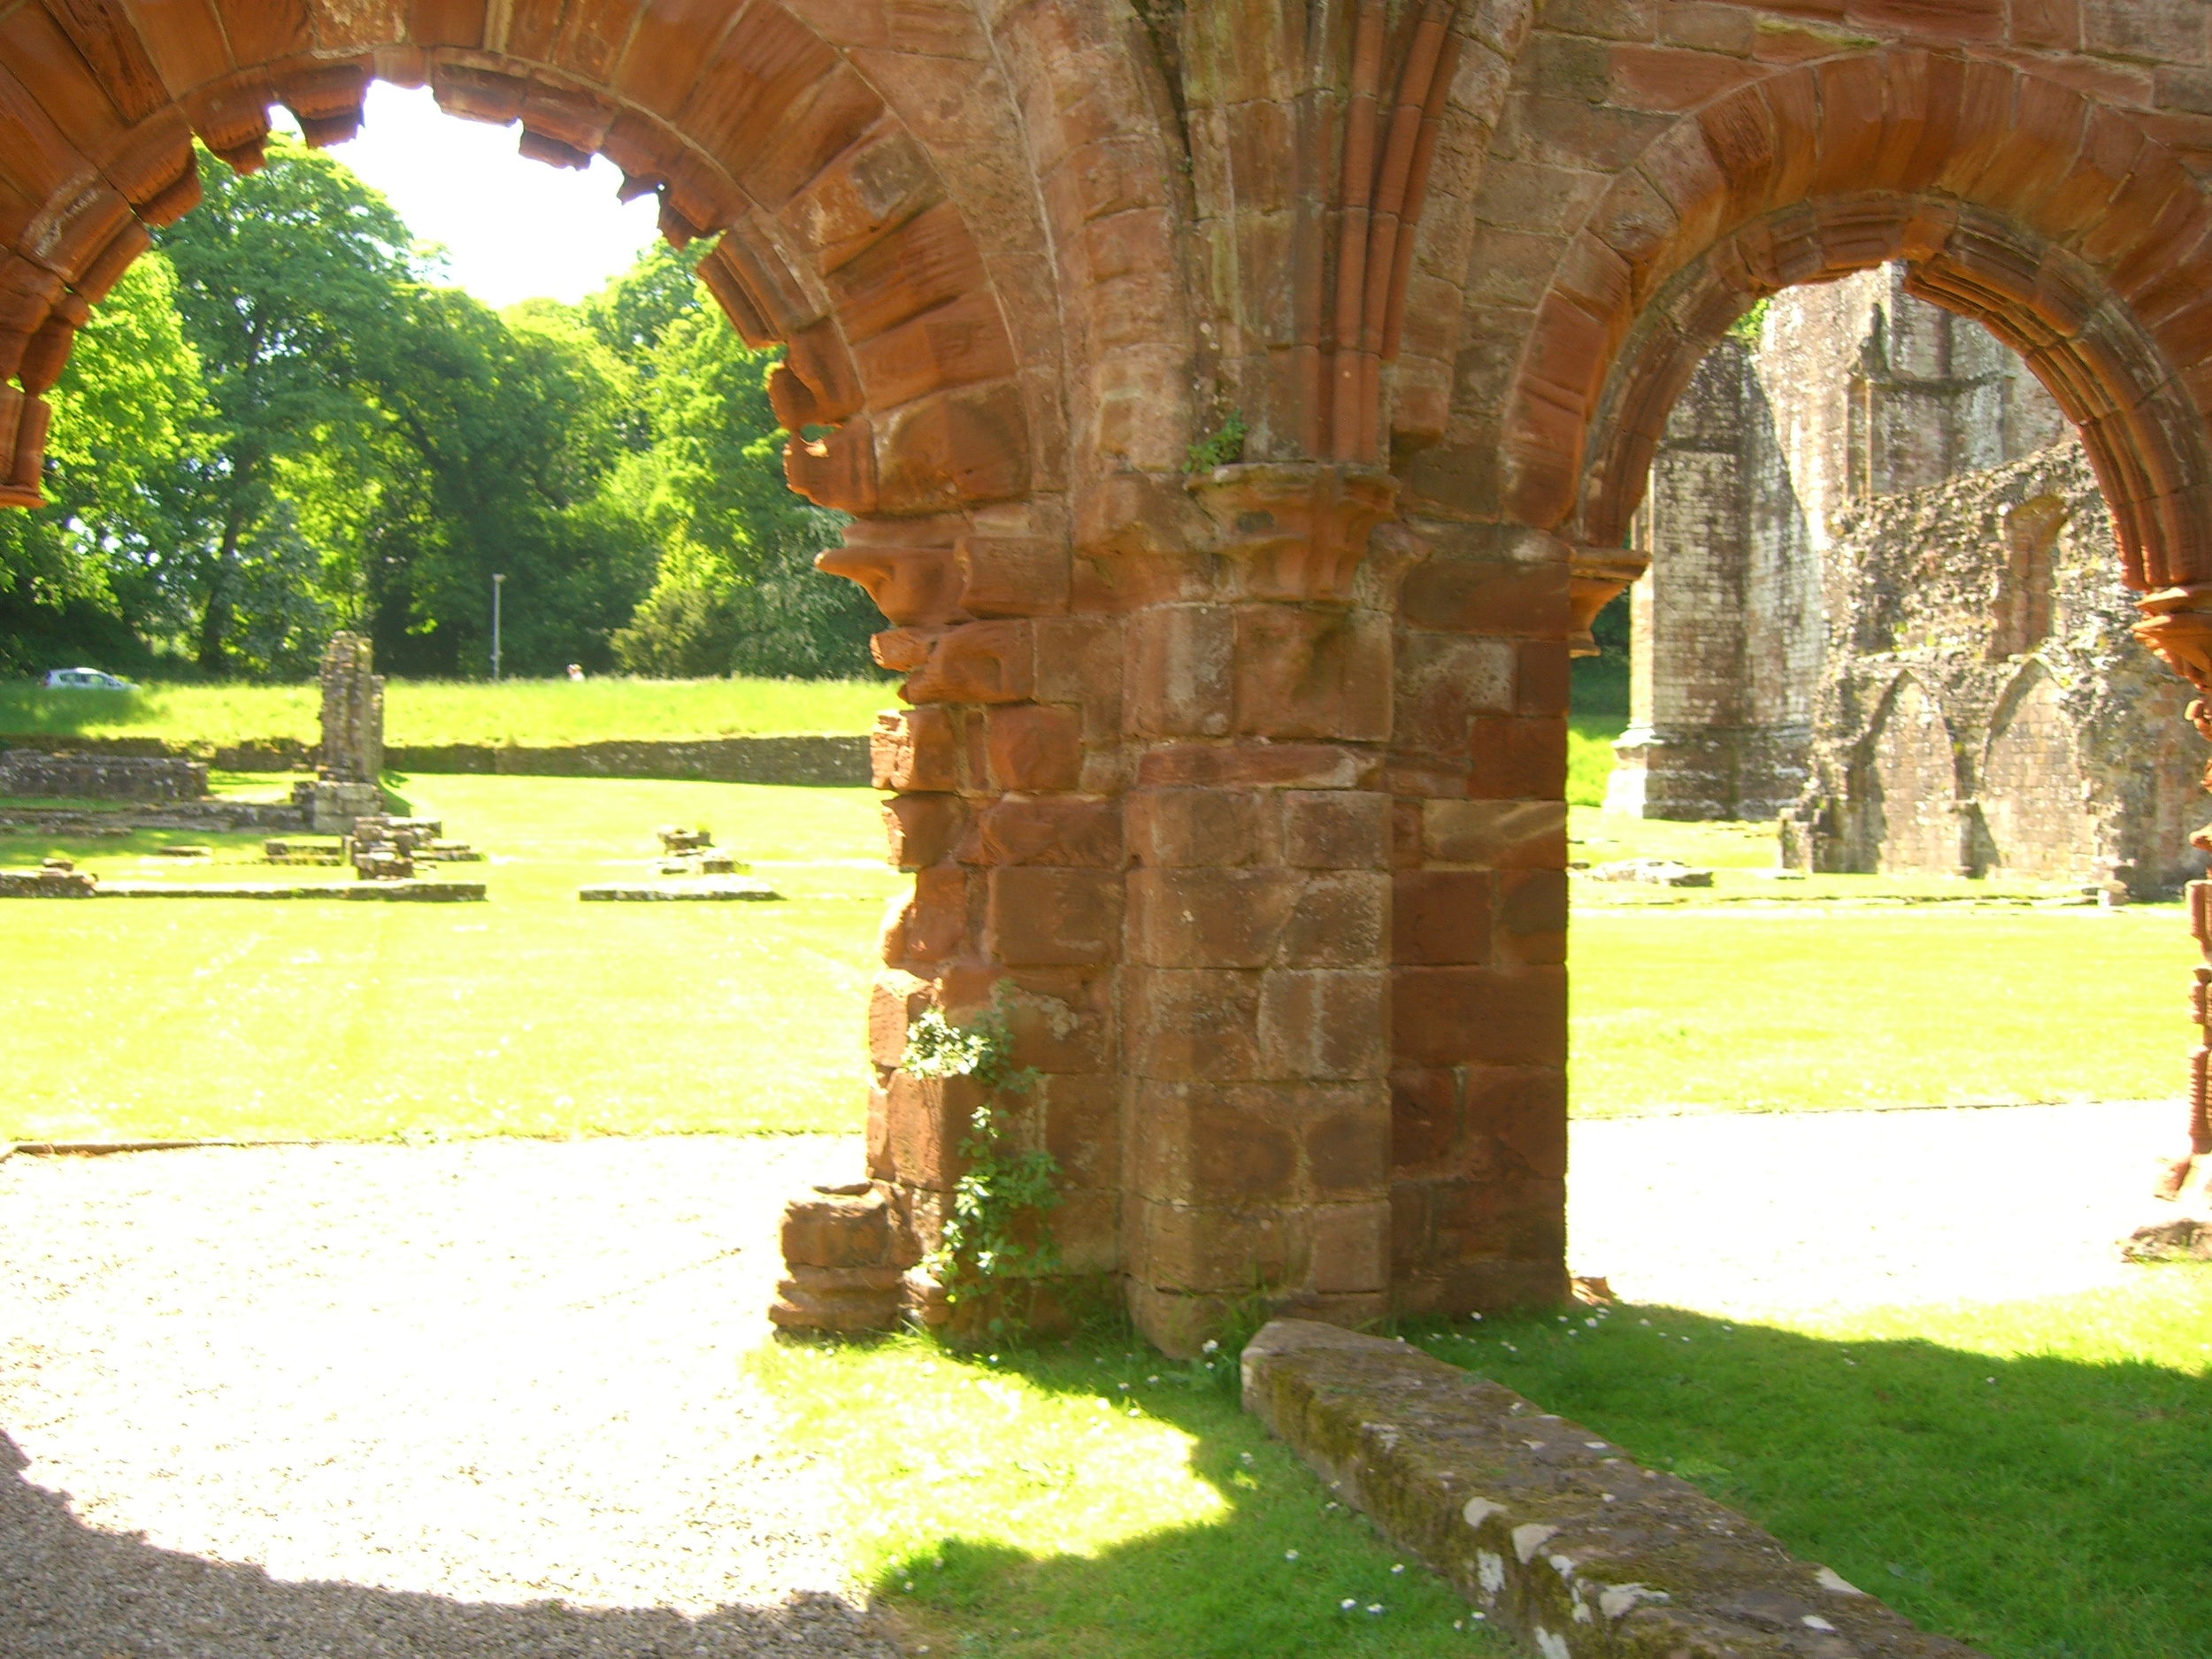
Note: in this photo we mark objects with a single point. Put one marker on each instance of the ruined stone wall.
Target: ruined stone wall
(353, 711)
(1724, 645)
(1986, 709)
(1446, 268)
(1757, 596)
(29, 773)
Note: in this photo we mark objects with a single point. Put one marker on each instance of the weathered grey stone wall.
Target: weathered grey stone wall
(353, 711)
(1726, 630)
(1986, 708)
(32, 773)
(1881, 580)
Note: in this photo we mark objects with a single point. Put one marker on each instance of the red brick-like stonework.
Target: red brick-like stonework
(1242, 789)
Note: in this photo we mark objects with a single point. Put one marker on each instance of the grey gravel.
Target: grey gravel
(1754, 1214)
(481, 1399)
(484, 1400)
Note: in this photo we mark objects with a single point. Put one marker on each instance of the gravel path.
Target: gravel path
(1760, 1214)
(393, 1401)
(482, 1401)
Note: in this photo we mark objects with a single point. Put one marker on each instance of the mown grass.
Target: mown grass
(528, 712)
(1092, 1499)
(533, 1014)
(1817, 1008)
(530, 1014)
(1590, 756)
(2027, 1477)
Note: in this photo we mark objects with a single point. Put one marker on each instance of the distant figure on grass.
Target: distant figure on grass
(575, 671)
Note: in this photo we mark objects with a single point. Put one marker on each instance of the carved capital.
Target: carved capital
(1295, 530)
(2178, 625)
(1596, 573)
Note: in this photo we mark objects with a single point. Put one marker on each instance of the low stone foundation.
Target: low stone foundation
(710, 890)
(394, 892)
(34, 773)
(1558, 1538)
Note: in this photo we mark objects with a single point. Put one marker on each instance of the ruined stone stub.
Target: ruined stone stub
(1237, 777)
(353, 712)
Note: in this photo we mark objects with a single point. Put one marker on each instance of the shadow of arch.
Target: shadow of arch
(71, 1590)
(2031, 794)
(1906, 791)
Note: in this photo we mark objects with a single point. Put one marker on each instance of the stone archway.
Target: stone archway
(1241, 404)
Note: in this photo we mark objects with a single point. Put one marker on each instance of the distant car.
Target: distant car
(85, 680)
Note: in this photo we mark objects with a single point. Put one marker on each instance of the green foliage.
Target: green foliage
(1746, 326)
(293, 285)
(74, 575)
(994, 1244)
(275, 426)
(735, 590)
(1224, 446)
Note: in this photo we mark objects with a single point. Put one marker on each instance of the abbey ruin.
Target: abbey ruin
(1880, 609)
(1242, 409)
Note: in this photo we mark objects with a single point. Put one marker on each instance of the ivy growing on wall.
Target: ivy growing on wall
(981, 1250)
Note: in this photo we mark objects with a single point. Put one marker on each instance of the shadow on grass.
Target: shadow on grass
(74, 1592)
(30, 710)
(2037, 1506)
(1282, 1570)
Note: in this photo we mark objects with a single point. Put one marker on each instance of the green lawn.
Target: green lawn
(1817, 1007)
(1590, 755)
(531, 1014)
(529, 712)
(1095, 1500)
(2028, 1477)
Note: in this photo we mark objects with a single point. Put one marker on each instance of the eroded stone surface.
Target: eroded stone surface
(1240, 420)
(1542, 1524)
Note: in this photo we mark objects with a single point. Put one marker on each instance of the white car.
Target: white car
(85, 680)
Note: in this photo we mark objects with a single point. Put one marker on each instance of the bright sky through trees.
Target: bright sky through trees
(512, 229)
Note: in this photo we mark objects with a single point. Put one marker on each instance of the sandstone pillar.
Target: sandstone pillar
(1256, 994)
(1478, 1015)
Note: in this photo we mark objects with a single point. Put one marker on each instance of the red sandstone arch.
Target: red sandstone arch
(840, 234)
(2057, 220)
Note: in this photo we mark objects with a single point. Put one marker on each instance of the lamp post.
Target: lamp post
(497, 583)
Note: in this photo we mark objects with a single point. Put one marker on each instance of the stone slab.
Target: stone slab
(215, 814)
(658, 892)
(391, 892)
(1560, 1539)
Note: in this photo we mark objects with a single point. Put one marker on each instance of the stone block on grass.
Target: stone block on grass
(1555, 1535)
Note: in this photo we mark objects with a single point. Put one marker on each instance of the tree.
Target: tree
(83, 579)
(736, 591)
(287, 278)
(501, 435)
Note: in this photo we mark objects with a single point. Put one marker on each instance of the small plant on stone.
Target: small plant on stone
(982, 1251)
(1224, 446)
